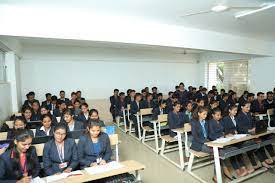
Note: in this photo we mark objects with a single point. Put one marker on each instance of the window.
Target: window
(2, 67)
(230, 75)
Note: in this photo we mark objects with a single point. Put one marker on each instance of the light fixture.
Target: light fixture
(219, 8)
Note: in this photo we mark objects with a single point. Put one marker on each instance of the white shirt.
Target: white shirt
(47, 132)
(71, 127)
(233, 120)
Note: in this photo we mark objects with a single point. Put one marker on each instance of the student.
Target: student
(58, 112)
(94, 117)
(63, 98)
(48, 100)
(72, 124)
(53, 105)
(18, 123)
(176, 119)
(120, 106)
(159, 100)
(19, 163)
(243, 98)
(257, 106)
(134, 109)
(84, 115)
(79, 97)
(199, 103)
(212, 105)
(114, 100)
(269, 102)
(44, 110)
(245, 125)
(188, 111)
(27, 113)
(182, 94)
(230, 128)
(232, 98)
(222, 92)
(30, 99)
(94, 148)
(73, 98)
(46, 129)
(131, 97)
(154, 93)
(60, 154)
(76, 108)
(202, 95)
(144, 94)
(35, 111)
(170, 103)
(193, 94)
(210, 96)
(159, 110)
(148, 103)
(4, 127)
(224, 103)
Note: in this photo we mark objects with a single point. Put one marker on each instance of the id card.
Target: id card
(63, 165)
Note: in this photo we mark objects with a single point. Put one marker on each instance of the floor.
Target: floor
(159, 170)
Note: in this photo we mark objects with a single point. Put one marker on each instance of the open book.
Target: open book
(104, 168)
(53, 178)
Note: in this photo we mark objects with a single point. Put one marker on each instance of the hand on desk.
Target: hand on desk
(67, 170)
(25, 179)
(93, 164)
(102, 162)
(252, 131)
(229, 135)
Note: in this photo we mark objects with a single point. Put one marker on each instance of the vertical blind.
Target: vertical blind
(230, 75)
(2, 67)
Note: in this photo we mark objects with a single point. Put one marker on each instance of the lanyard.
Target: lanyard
(60, 152)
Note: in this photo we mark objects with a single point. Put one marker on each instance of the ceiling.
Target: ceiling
(259, 26)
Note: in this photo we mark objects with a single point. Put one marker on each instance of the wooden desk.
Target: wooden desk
(216, 147)
(130, 166)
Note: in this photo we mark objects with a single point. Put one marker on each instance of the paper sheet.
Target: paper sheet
(63, 176)
(104, 168)
(223, 140)
(37, 180)
(238, 136)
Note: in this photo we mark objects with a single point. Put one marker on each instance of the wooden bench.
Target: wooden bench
(144, 112)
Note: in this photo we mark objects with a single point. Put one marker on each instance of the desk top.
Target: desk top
(234, 141)
(130, 166)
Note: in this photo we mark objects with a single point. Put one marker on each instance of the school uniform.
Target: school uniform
(269, 104)
(183, 96)
(229, 124)
(8, 172)
(53, 156)
(135, 106)
(176, 120)
(113, 100)
(98, 121)
(158, 111)
(77, 125)
(188, 115)
(147, 104)
(66, 100)
(89, 152)
(76, 112)
(169, 105)
(57, 112)
(199, 130)
(121, 104)
(82, 100)
(46, 104)
(224, 105)
(129, 100)
(258, 107)
(36, 116)
(41, 132)
(11, 134)
(52, 107)
(83, 118)
(203, 96)
(28, 103)
(4, 128)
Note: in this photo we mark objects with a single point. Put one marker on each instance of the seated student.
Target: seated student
(257, 106)
(148, 103)
(35, 111)
(161, 109)
(46, 129)
(245, 125)
(134, 109)
(114, 100)
(45, 110)
(79, 97)
(232, 98)
(94, 117)
(19, 163)
(131, 97)
(27, 114)
(120, 106)
(154, 93)
(210, 96)
(72, 124)
(216, 131)
(269, 102)
(188, 111)
(73, 98)
(170, 103)
(58, 112)
(30, 99)
(199, 103)
(144, 94)
(243, 98)
(76, 108)
(63, 98)
(159, 99)
(18, 123)
(54, 104)
(250, 99)
(170, 94)
(202, 95)
(94, 148)
(60, 154)
(224, 103)
(176, 119)
(84, 115)
(48, 100)
(230, 128)
(212, 105)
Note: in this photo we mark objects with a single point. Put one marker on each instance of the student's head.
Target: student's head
(60, 132)
(149, 97)
(204, 90)
(190, 88)
(225, 96)
(23, 140)
(211, 94)
(250, 97)
(175, 97)
(48, 96)
(77, 104)
(84, 108)
(132, 93)
(46, 120)
(129, 91)
(122, 95)
(35, 106)
(146, 89)
(73, 96)
(217, 114)
(160, 96)
(245, 107)
(260, 96)
(189, 106)
(200, 88)
(176, 107)
(93, 114)
(154, 89)
(54, 99)
(269, 96)
(138, 97)
(44, 110)
(93, 129)
(170, 93)
(200, 102)
(78, 94)
(245, 93)
(200, 113)
(181, 86)
(194, 90)
(215, 92)
(144, 93)
(232, 110)
(162, 104)
(116, 91)
(30, 96)
(214, 104)
(62, 105)
(68, 116)
(62, 94)
(27, 112)
(19, 123)
(177, 87)
(214, 87)
(233, 95)
(222, 91)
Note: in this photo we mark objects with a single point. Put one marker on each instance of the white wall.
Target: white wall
(98, 71)
(5, 98)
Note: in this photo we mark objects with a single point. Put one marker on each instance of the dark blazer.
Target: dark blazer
(203, 97)
(134, 107)
(7, 172)
(176, 121)
(66, 100)
(45, 103)
(41, 133)
(36, 116)
(156, 112)
(228, 125)
(57, 113)
(169, 105)
(81, 117)
(224, 105)
(113, 100)
(147, 104)
(86, 152)
(197, 133)
(119, 105)
(51, 159)
(183, 96)
(244, 122)
(11, 134)
(215, 130)
(27, 103)
(269, 104)
(77, 126)
(257, 107)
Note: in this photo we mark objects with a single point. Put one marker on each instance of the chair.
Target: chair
(145, 112)
(3, 135)
(39, 149)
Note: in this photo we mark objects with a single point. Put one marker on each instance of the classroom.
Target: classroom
(151, 91)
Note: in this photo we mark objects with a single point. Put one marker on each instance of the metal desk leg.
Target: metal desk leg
(217, 164)
(156, 137)
(180, 150)
(138, 177)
